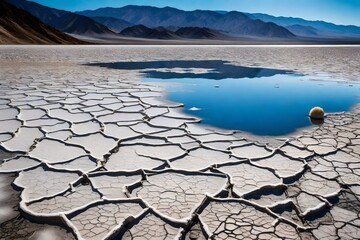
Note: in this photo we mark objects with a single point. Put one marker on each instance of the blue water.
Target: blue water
(274, 106)
(261, 101)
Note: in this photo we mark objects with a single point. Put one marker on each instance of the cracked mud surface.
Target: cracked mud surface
(93, 153)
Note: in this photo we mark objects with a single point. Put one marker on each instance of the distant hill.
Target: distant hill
(20, 27)
(114, 24)
(305, 31)
(141, 31)
(232, 22)
(62, 20)
(199, 33)
(162, 33)
(326, 28)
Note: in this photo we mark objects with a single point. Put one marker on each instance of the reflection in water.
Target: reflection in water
(316, 121)
(219, 69)
(256, 100)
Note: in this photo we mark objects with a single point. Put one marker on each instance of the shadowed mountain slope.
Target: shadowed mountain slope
(305, 31)
(62, 20)
(199, 33)
(140, 31)
(20, 27)
(114, 24)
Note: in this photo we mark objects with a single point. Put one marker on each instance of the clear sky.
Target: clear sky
(336, 11)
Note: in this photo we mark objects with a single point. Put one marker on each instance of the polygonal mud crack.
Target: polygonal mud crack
(42, 182)
(114, 184)
(200, 158)
(247, 178)
(54, 151)
(151, 227)
(101, 219)
(284, 167)
(177, 194)
(232, 218)
(76, 197)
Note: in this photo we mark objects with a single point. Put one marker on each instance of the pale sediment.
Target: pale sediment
(102, 155)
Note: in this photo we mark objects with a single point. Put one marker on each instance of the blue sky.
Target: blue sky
(337, 11)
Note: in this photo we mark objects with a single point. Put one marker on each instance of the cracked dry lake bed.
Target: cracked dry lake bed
(93, 151)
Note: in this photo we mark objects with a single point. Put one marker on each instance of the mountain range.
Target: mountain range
(321, 27)
(120, 25)
(141, 31)
(234, 23)
(229, 22)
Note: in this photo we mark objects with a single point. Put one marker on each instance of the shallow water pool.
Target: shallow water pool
(261, 101)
